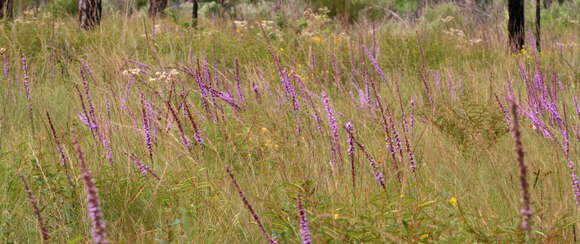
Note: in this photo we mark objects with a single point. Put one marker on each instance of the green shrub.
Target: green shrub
(63, 7)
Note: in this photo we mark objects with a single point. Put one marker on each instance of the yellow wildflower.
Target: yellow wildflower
(316, 39)
(453, 201)
(424, 236)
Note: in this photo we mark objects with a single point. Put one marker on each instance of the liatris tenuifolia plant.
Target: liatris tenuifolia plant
(304, 230)
(375, 64)
(63, 158)
(412, 114)
(145, 170)
(335, 136)
(388, 139)
(84, 116)
(99, 234)
(238, 83)
(184, 139)
(92, 113)
(196, 133)
(378, 175)
(271, 239)
(146, 126)
(26, 82)
(570, 164)
(308, 98)
(34, 204)
(526, 211)
(350, 141)
(289, 88)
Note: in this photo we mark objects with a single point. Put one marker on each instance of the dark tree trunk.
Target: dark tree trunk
(90, 13)
(2, 3)
(6, 9)
(156, 7)
(538, 18)
(10, 9)
(194, 11)
(516, 24)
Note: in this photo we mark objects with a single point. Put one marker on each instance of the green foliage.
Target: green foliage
(63, 7)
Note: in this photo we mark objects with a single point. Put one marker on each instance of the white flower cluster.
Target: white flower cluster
(134, 71)
(165, 76)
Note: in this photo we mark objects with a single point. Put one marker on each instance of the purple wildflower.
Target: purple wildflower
(289, 88)
(335, 136)
(304, 230)
(146, 126)
(238, 85)
(256, 90)
(375, 64)
(34, 204)
(271, 239)
(570, 164)
(63, 158)
(350, 141)
(145, 170)
(99, 234)
(184, 140)
(412, 114)
(526, 211)
(92, 114)
(378, 175)
(196, 132)
(577, 107)
(26, 81)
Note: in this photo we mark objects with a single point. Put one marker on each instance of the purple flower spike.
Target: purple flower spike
(34, 204)
(99, 234)
(350, 141)
(271, 239)
(335, 137)
(146, 126)
(184, 139)
(26, 82)
(145, 170)
(304, 230)
(526, 211)
(63, 158)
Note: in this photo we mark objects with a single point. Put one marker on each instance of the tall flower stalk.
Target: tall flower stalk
(304, 230)
(34, 204)
(145, 170)
(98, 232)
(26, 82)
(146, 126)
(196, 133)
(334, 134)
(350, 141)
(184, 139)
(526, 211)
(63, 158)
(271, 239)
(378, 175)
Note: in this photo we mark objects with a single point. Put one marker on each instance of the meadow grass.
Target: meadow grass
(465, 188)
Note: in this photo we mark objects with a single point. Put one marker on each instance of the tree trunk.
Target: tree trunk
(194, 11)
(10, 9)
(6, 9)
(156, 7)
(2, 3)
(516, 24)
(538, 17)
(90, 13)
